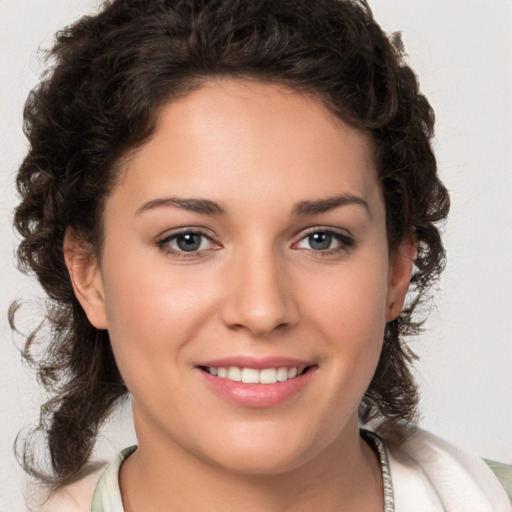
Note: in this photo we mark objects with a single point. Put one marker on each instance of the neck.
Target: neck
(164, 476)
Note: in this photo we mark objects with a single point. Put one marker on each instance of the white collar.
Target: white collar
(431, 475)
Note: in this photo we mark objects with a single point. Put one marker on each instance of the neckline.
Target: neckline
(107, 495)
(378, 446)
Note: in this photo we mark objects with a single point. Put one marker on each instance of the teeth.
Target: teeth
(268, 376)
(234, 373)
(253, 376)
(250, 376)
(282, 374)
(292, 372)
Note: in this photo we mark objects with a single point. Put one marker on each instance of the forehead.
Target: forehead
(234, 139)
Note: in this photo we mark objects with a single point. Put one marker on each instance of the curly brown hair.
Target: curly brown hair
(109, 75)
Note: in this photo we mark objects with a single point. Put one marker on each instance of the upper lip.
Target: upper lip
(258, 363)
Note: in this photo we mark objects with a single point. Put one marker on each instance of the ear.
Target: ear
(86, 278)
(400, 268)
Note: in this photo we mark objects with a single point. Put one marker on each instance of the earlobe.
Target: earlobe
(86, 279)
(400, 268)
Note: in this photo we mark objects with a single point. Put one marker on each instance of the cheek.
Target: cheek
(350, 314)
(155, 315)
(142, 310)
(352, 300)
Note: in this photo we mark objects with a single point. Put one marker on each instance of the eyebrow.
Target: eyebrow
(204, 206)
(208, 207)
(329, 203)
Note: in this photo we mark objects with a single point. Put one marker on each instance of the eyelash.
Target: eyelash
(345, 241)
(165, 247)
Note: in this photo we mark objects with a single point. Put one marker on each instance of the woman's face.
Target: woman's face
(247, 238)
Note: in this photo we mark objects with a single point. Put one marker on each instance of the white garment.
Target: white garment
(428, 474)
(431, 475)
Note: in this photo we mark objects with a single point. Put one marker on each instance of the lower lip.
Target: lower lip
(258, 395)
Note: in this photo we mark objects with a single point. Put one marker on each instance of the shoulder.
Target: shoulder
(431, 474)
(75, 497)
(503, 473)
(97, 490)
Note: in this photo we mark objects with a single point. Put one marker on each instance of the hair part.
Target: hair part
(99, 101)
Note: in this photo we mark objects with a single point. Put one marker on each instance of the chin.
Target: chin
(259, 462)
(262, 453)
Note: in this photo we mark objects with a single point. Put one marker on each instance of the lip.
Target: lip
(258, 363)
(257, 395)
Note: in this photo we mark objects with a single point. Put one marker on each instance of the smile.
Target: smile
(255, 376)
(257, 383)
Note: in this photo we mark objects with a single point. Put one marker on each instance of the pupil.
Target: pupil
(320, 241)
(189, 242)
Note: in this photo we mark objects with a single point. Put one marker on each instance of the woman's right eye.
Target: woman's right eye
(186, 243)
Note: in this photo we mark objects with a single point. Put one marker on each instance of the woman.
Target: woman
(224, 201)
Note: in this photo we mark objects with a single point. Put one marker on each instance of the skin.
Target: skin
(257, 286)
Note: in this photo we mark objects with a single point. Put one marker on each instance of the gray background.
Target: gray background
(461, 50)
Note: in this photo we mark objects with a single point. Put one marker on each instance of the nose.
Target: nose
(258, 296)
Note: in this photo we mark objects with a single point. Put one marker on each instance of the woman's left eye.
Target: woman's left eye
(325, 241)
(186, 243)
